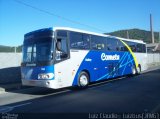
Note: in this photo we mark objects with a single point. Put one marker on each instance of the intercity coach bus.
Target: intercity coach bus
(63, 57)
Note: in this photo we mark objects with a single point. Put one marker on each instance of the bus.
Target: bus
(61, 57)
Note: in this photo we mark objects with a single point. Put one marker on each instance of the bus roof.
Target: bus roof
(83, 31)
(131, 40)
(98, 34)
(78, 30)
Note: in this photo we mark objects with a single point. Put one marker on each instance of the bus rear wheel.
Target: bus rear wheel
(83, 80)
(139, 69)
(133, 70)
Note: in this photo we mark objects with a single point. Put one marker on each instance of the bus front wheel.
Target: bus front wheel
(83, 80)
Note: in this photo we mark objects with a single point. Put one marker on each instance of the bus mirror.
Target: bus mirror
(58, 45)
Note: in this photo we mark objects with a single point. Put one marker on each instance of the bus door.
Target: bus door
(61, 55)
(113, 69)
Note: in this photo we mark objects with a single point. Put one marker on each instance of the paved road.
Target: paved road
(131, 94)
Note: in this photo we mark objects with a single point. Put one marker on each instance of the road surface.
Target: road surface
(136, 94)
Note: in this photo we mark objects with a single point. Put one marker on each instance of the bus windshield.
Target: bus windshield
(37, 50)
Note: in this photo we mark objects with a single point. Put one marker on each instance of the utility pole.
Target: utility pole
(127, 34)
(15, 49)
(151, 28)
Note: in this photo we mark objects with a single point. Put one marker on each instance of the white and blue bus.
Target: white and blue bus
(63, 57)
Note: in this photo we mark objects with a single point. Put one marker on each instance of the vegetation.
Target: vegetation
(136, 34)
(10, 49)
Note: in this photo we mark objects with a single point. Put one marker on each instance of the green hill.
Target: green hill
(10, 49)
(136, 34)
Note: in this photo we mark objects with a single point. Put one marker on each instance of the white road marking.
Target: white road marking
(57, 93)
(104, 82)
(20, 105)
(5, 109)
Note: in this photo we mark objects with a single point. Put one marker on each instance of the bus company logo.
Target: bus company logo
(109, 57)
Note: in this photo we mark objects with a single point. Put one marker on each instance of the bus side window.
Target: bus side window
(122, 47)
(139, 47)
(112, 44)
(79, 41)
(133, 46)
(61, 45)
(144, 48)
(98, 43)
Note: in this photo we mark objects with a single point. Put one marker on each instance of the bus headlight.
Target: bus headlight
(45, 76)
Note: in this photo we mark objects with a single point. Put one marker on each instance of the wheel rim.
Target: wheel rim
(83, 80)
(139, 70)
(133, 71)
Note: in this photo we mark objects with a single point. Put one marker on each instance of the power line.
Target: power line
(58, 16)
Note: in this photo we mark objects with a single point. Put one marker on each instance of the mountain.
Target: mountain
(10, 49)
(136, 34)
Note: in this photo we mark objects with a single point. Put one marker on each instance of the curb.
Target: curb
(151, 69)
(10, 87)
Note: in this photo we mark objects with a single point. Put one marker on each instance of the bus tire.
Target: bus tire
(138, 69)
(83, 80)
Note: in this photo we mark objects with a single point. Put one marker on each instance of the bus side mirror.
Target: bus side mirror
(58, 45)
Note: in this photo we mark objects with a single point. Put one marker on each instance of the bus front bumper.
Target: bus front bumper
(40, 83)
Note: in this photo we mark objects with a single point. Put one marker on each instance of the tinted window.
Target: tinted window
(79, 40)
(98, 43)
(143, 48)
(86, 41)
(112, 44)
(132, 45)
(61, 46)
(121, 46)
(139, 47)
(37, 52)
(62, 33)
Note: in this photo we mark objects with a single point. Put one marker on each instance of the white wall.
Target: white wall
(153, 58)
(10, 60)
(10, 68)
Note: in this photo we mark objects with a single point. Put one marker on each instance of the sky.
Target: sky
(102, 15)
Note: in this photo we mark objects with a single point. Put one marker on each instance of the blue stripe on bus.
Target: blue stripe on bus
(124, 66)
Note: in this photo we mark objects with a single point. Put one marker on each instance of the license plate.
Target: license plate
(32, 82)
